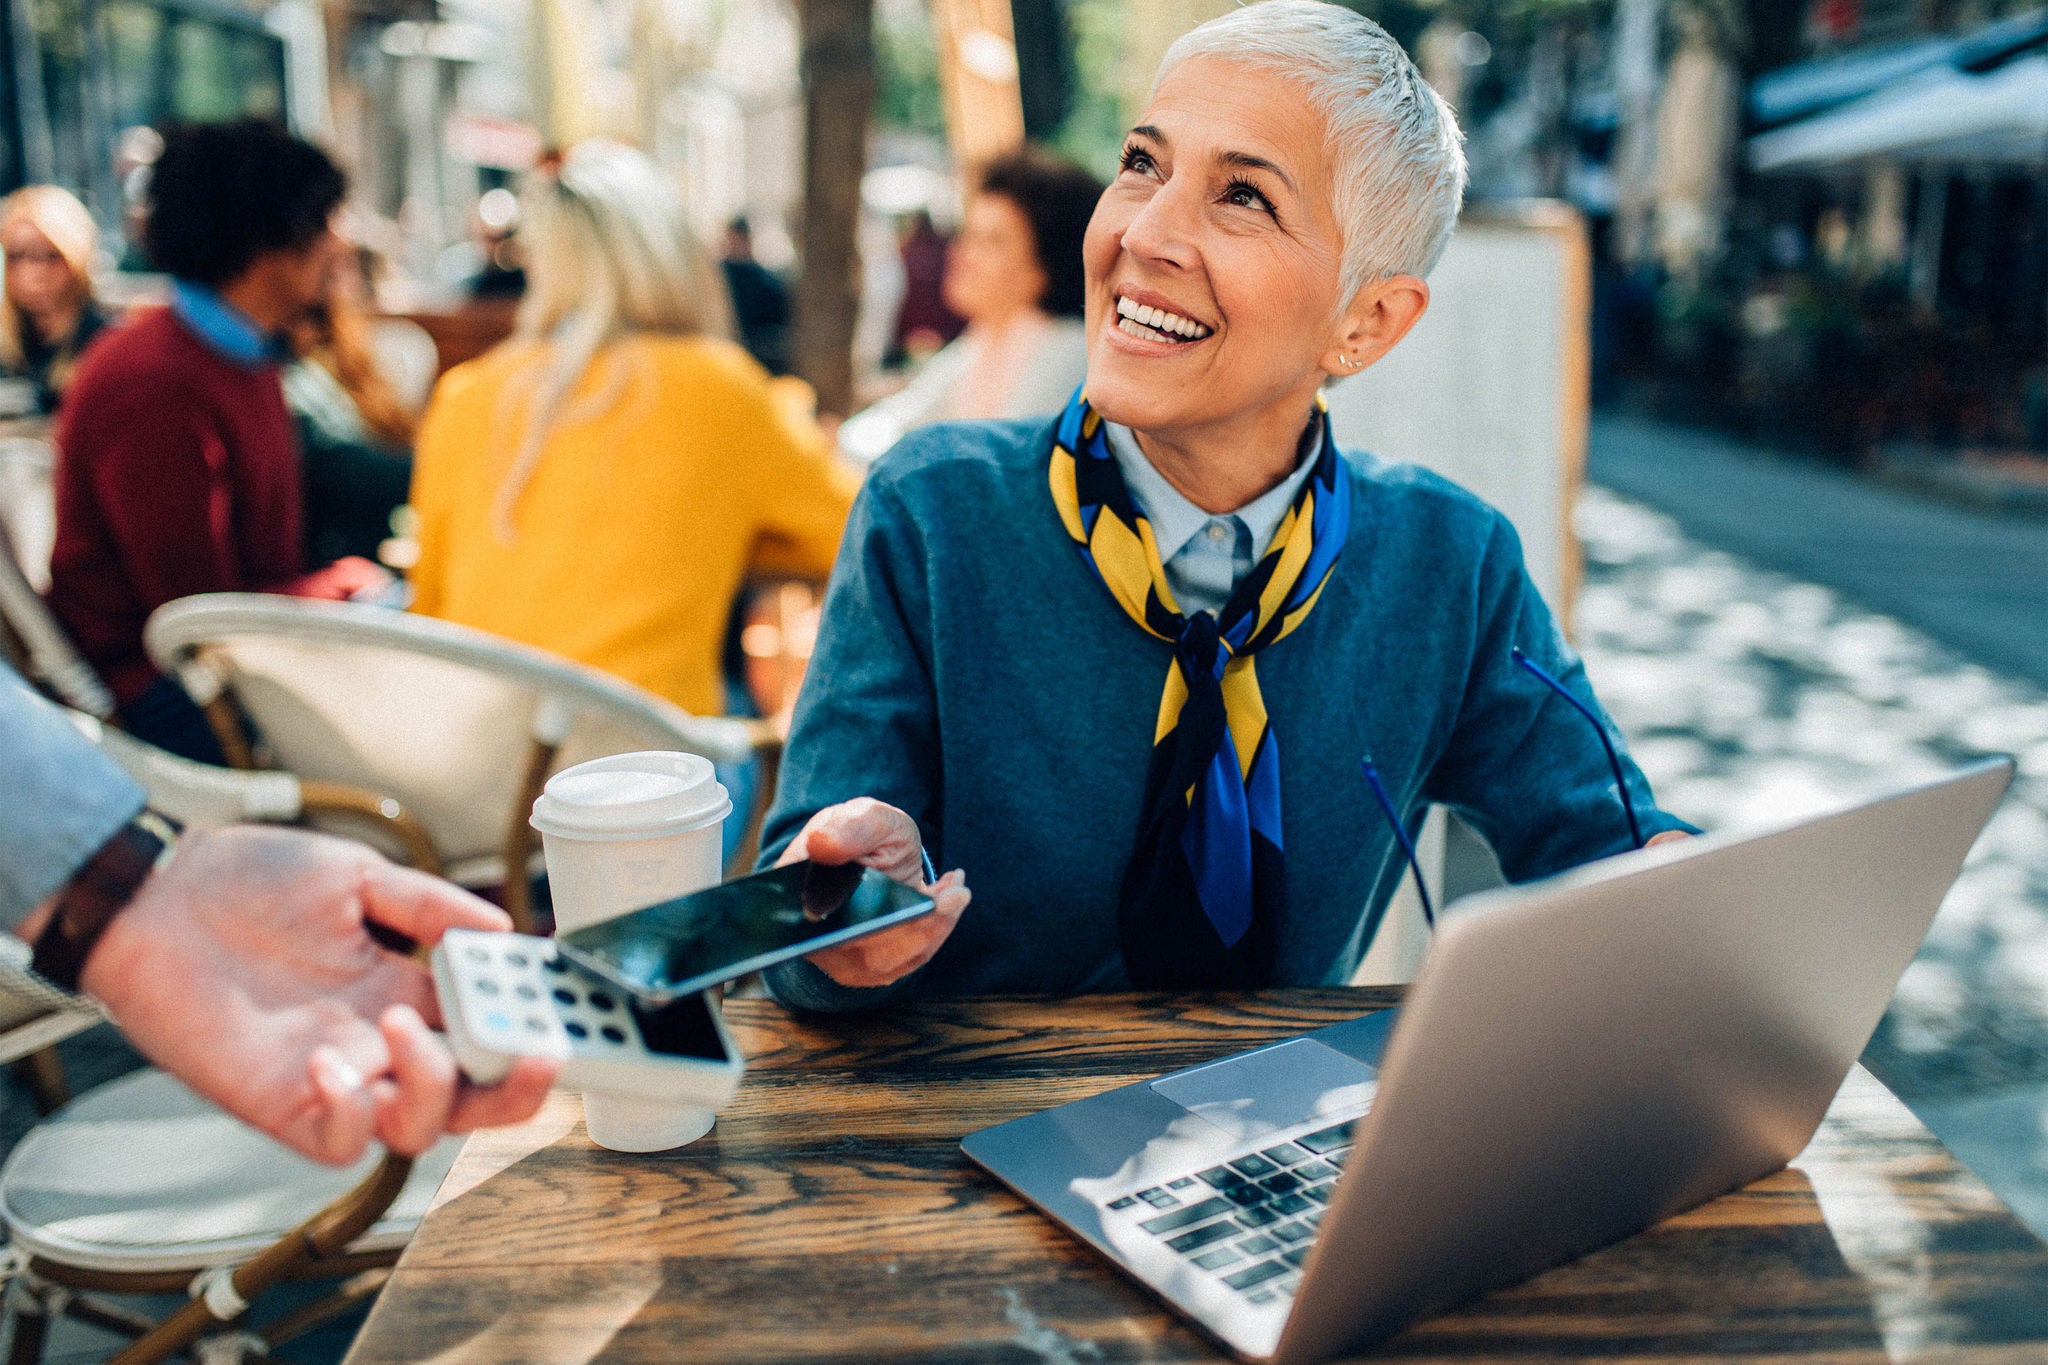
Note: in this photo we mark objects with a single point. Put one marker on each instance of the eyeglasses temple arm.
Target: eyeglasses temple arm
(1628, 807)
(1372, 777)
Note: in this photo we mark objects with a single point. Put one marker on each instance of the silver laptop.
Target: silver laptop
(1578, 1059)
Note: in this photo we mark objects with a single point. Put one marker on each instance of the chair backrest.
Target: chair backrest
(443, 718)
(51, 659)
(195, 794)
(28, 504)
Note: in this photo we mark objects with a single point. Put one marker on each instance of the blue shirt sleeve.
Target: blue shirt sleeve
(1521, 765)
(61, 800)
(866, 722)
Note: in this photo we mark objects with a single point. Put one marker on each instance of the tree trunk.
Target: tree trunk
(839, 83)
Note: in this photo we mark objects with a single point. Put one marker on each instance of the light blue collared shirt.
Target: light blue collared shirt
(1205, 556)
(225, 328)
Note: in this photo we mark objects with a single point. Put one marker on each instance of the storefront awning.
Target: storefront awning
(1946, 116)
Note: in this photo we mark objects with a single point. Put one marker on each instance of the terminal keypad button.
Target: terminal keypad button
(1253, 1167)
(1286, 1154)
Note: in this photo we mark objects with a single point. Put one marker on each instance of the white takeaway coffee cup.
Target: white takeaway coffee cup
(620, 833)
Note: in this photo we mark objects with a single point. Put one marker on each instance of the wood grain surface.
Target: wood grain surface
(830, 1217)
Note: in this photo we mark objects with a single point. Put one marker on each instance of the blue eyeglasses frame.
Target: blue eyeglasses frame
(1379, 789)
(1628, 807)
(1400, 827)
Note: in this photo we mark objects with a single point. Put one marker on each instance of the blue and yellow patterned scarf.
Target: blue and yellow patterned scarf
(1201, 898)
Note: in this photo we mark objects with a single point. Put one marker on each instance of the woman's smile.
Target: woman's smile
(1148, 317)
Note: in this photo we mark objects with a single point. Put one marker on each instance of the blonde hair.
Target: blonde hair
(57, 214)
(1400, 157)
(609, 253)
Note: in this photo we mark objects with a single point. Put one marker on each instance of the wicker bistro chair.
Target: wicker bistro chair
(35, 640)
(141, 1187)
(460, 727)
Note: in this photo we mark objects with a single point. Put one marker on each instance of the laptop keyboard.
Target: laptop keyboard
(1249, 1221)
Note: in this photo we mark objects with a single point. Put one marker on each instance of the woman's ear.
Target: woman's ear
(1379, 316)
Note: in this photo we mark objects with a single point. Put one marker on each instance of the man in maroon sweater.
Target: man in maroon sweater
(178, 467)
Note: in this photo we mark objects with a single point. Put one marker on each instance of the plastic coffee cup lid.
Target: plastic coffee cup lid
(632, 796)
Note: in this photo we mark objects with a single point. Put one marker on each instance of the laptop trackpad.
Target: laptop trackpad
(1273, 1088)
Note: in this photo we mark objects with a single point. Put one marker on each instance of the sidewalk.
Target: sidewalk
(1976, 581)
(1752, 697)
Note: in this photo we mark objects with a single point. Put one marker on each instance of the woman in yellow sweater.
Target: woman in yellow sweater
(602, 484)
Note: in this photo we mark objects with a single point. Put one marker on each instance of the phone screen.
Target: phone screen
(696, 941)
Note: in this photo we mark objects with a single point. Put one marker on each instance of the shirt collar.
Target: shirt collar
(1175, 519)
(224, 328)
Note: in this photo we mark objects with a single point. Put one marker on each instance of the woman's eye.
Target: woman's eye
(1247, 196)
(1139, 160)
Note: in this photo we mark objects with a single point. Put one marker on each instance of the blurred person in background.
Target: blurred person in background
(760, 300)
(355, 434)
(178, 466)
(603, 484)
(924, 322)
(48, 313)
(1014, 273)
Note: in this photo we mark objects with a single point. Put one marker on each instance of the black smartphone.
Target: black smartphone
(694, 942)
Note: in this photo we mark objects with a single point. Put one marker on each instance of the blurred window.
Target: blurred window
(166, 65)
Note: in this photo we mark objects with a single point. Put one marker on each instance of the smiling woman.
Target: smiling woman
(1121, 669)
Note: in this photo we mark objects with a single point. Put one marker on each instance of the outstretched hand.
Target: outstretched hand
(880, 836)
(245, 967)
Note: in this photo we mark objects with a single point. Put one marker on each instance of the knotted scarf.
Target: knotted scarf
(1202, 895)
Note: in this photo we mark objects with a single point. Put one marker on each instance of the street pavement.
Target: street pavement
(1752, 696)
(1974, 580)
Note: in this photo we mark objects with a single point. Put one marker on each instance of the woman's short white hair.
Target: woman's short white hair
(1400, 172)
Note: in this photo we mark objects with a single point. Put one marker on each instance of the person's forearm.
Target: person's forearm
(62, 801)
(804, 987)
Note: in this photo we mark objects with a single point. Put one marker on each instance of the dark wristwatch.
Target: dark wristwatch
(100, 890)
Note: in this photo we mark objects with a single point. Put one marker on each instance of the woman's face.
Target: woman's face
(992, 267)
(39, 280)
(1221, 217)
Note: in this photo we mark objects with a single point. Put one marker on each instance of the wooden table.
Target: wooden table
(831, 1217)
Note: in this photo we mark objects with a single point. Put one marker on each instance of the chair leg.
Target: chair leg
(518, 894)
(355, 1290)
(225, 720)
(43, 1073)
(27, 1320)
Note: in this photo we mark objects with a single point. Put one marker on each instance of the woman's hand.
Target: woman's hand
(879, 836)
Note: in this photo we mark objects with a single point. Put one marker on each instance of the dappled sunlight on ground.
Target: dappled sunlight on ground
(1751, 698)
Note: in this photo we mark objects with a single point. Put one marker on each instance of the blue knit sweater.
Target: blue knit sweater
(972, 670)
